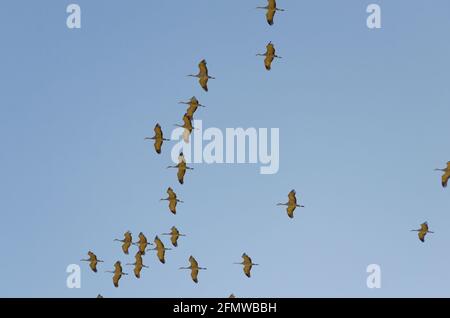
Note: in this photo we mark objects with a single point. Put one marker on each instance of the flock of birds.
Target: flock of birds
(193, 104)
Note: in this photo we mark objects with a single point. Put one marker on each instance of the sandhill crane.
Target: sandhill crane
(187, 125)
(271, 10)
(174, 235)
(248, 264)
(194, 268)
(173, 200)
(158, 138)
(138, 264)
(117, 273)
(193, 105)
(422, 231)
(127, 241)
(446, 174)
(182, 167)
(270, 56)
(142, 243)
(92, 261)
(202, 75)
(291, 204)
(160, 249)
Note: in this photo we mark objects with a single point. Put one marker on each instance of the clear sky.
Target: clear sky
(363, 118)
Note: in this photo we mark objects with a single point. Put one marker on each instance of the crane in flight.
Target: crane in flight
(142, 243)
(248, 264)
(291, 204)
(194, 104)
(127, 241)
(158, 138)
(138, 264)
(202, 75)
(270, 56)
(422, 231)
(446, 174)
(271, 10)
(117, 273)
(182, 167)
(174, 235)
(194, 268)
(173, 200)
(187, 125)
(160, 249)
(93, 261)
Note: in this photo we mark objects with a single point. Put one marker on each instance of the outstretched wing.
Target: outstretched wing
(290, 210)
(180, 174)
(445, 177)
(173, 206)
(194, 275)
(270, 15)
(268, 62)
(158, 145)
(204, 82)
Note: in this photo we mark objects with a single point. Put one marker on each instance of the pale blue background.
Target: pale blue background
(363, 118)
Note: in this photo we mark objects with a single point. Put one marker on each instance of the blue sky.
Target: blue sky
(363, 117)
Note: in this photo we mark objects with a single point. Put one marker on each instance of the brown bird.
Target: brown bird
(158, 138)
(291, 204)
(202, 75)
(117, 273)
(182, 167)
(194, 268)
(271, 10)
(127, 241)
(446, 174)
(138, 264)
(248, 264)
(422, 231)
(174, 235)
(160, 249)
(270, 56)
(194, 104)
(142, 243)
(173, 200)
(93, 261)
(187, 125)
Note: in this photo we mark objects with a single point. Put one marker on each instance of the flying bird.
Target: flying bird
(248, 264)
(127, 241)
(446, 174)
(142, 243)
(422, 231)
(158, 138)
(194, 104)
(187, 125)
(173, 200)
(174, 235)
(117, 273)
(194, 268)
(270, 56)
(271, 10)
(138, 264)
(291, 204)
(160, 249)
(202, 75)
(93, 261)
(182, 167)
